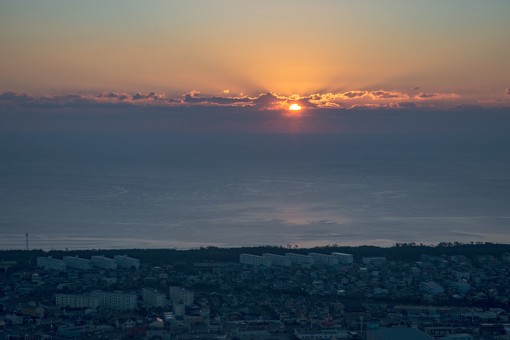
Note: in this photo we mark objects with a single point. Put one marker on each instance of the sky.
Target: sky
(257, 57)
(411, 99)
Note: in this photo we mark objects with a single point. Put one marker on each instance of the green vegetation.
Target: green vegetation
(161, 257)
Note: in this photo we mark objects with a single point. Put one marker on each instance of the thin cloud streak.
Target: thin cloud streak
(436, 96)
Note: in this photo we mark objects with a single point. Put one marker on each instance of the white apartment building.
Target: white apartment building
(51, 263)
(300, 259)
(76, 301)
(123, 261)
(103, 262)
(153, 297)
(77, 263)
(179, 294)
(254, 260)
(278, 260)
(324, 259)
(115, 300)
(343, 258)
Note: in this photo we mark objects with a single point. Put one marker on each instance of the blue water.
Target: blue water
(145, 191)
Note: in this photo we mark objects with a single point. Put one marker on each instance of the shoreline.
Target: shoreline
(166, 256)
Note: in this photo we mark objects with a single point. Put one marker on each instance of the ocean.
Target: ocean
(228, 190)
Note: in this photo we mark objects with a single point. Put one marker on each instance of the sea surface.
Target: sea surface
(184, 191)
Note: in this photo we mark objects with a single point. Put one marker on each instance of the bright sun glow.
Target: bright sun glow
(294, 107)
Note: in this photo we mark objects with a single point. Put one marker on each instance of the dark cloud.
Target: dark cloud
(357, 97)
(112, 95)
(407, 105)
(468, 107)
(194, 97)
(141, 96)
(12, 96)
(108, 95)
(66, 101)
(304, 102)
(150, 97)
(78, 113)
(354, 94)
(367, 106)
(70, 98)
(46, 102)
(266, 101)
(424, 95)
(75, 100)
(325, 100)
(194, 100)
(146, 97)
(229, 100)
(317, 103)
(15, 99)
(381, 94)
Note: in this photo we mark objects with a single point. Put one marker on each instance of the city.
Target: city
(290, 295)
(255, 170)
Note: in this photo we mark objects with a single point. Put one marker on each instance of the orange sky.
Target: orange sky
(447, 53)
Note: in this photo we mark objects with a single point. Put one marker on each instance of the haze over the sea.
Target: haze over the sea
(146, 191)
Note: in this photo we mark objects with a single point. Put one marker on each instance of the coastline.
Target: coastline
(155, 257)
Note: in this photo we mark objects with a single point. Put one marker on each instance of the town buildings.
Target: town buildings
(180, 294)
(153, 298)
(76, 301)
(255, 260)
(103, 262)
(343, 258)
(51, 263)
(115, 300)
(77, 262)
(124, 261)
(278, 260)
(440, 297)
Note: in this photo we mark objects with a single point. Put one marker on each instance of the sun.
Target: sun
(295, 107)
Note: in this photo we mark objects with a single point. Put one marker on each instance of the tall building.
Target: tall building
(115, 300)
(278, 260)
(179, 294)
(77, 263)
(51, 263)
(123, 261)
(76, 301)
(324, 259)
(254, 260)
(103, 262)
(153, 297)
(343, 258)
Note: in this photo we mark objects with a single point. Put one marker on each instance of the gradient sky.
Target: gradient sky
(321, 54)
(111, 112)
